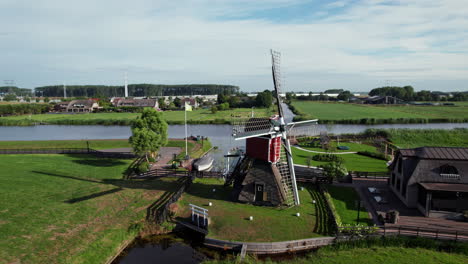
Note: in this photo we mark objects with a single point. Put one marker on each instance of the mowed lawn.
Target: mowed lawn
(347, 111)
(69, 208)
(229, 220)
(345, 202)
(352, 162)
(198, 115)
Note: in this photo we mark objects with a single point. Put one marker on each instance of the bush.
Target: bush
(327, 158)
(375, 155)
(143, 167)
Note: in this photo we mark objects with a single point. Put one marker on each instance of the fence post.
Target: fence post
(437, 233)
(384, 230)
(417, 234)
(399, 228)
(456, 235)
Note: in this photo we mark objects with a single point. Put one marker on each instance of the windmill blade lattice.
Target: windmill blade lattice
(252, 127)
(284, 169)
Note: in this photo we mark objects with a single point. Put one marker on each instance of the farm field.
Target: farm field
(229, 220)
(352, 162)
(70, 208)
(412, 138)
(370, 114)
(344, 199)
(172, 117)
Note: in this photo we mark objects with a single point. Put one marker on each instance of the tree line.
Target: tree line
(136, 90)
(15, 91)
(407, 93)
(22, 109)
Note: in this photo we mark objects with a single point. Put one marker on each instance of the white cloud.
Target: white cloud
(86, 41)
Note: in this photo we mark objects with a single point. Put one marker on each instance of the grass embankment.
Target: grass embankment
(96, 144)
(346, 113)
(198, 116)
(393, 250)
(69, 208)
(345, 201)
(412, 138)
(229, 220)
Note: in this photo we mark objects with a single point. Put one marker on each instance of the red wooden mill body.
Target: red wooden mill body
(264, 148)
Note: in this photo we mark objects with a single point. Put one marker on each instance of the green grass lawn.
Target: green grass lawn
(373, 255)
(229, 220)
(345, 111)
(412, 138)
(172, 117)
(69, 208)
(353, 147)
(352, 162)
(344, 199)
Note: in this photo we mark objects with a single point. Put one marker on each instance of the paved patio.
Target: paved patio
(408, 216)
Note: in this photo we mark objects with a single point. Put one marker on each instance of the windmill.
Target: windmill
(265, 174)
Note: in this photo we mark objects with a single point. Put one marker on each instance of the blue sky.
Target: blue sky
(349, 44)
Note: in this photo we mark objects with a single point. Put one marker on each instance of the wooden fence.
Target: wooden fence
(349, 232)
(159, 211)
(97, 153)
(270, 247)
(368, 174)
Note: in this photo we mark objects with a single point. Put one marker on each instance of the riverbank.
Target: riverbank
(198, 116)
(347, 113)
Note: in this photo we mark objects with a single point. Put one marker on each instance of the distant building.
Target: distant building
(383, 100)
(82, 106)
(432, 179)
(191, 101)
(121, 102)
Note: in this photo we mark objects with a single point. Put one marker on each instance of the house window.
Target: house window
(449, 172)
(398, 185)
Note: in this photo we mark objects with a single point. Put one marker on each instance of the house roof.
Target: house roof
(137, 102)
(450, 187)
(441, 153)
(86, 103)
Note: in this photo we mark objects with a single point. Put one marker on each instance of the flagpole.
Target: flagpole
(186, 142)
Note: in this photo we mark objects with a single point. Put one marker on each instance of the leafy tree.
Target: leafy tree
(344, 96)
(46, 100)
(149, 132)
(333, 91)
(27, 99)
(9, 97)
(334, 170)
(177, 102)
(37, 100)
(264, 99)
(223, 106)
(214, 109)
(162, 103)
(290, 96)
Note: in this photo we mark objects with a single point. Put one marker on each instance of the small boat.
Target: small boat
(204, 163)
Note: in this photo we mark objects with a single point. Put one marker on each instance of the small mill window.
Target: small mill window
(449, 172)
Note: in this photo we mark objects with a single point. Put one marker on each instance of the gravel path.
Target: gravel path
(320, 152)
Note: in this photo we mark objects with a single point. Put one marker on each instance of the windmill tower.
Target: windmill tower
(265, 174)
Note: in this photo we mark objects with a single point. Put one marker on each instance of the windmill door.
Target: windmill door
(259, 190)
